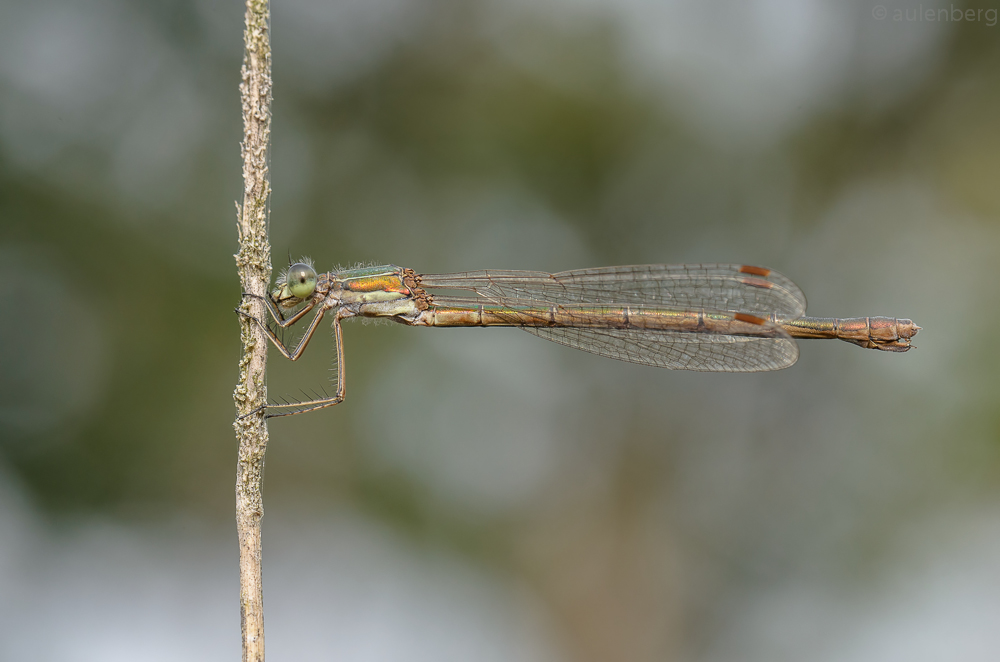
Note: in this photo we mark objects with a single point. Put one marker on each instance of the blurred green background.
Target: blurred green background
(482, 494)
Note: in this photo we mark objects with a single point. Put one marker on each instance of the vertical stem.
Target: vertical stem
(254, 264)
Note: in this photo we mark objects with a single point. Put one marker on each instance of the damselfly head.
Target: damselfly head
(295, 284)
(300, 280)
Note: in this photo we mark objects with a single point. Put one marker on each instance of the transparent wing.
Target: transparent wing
(715, 287)
(681, 351)
(721, 288)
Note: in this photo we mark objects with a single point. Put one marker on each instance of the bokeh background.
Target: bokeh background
(482, 494)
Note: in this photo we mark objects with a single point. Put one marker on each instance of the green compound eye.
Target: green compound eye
(301, 280)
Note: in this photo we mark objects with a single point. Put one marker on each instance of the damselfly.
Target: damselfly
(708, 317)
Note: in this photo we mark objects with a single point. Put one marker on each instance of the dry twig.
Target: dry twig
(254, 264)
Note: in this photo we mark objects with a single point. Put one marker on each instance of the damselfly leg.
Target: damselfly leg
(293, 355)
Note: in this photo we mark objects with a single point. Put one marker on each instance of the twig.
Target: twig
(254, 264)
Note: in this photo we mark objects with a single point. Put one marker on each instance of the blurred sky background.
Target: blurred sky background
(482, 494)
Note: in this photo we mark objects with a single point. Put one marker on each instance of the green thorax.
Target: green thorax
(372, 284)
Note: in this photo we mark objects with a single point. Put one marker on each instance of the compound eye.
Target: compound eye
(301, 280)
